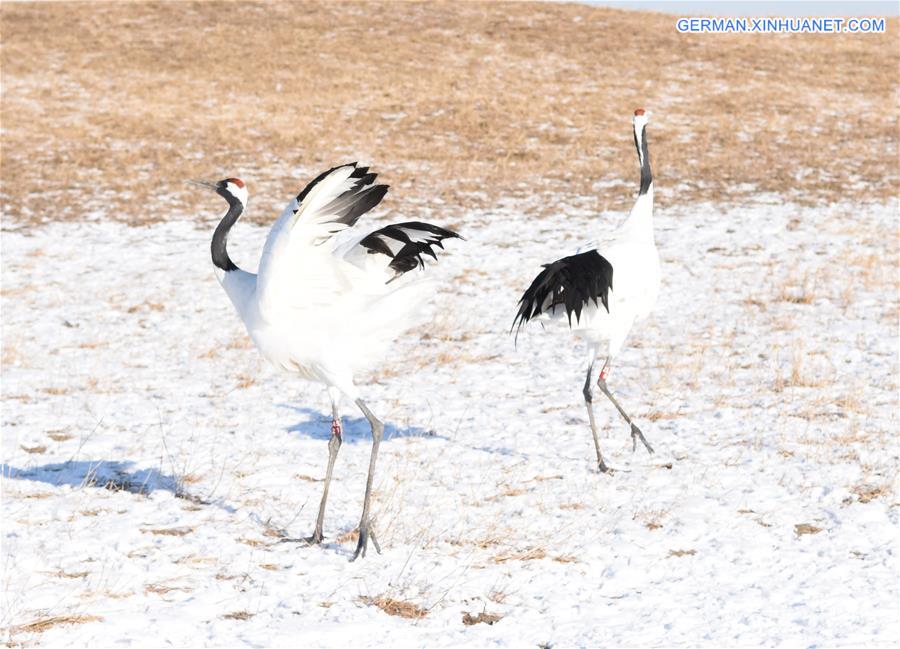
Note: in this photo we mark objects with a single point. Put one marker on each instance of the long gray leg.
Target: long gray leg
(588, 399)
(334, 445)
(364, 531)
(636, 433)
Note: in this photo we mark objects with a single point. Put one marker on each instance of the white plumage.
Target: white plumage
(603, 289)
(329, 298)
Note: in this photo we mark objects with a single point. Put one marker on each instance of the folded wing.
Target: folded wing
(567, 285)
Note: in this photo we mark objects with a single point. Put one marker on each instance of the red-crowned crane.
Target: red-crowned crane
(608, 287)
(329, 297)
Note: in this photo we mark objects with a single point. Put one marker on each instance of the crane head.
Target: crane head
(231, 189)
(641, 117)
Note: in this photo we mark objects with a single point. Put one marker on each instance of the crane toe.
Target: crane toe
(364, 534)
(636, 435)
(315, 539)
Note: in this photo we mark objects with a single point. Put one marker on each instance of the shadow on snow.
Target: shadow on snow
(113, 475)
(356, 428)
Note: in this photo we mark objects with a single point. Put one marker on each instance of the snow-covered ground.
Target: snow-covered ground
(151, 460)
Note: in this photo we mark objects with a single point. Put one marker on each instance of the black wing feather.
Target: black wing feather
(354, 202)
(409, 256)
(349, 206)
(571, 282)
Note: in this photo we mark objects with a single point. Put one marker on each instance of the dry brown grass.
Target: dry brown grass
(38, 496)
(245, 381)
(656, 415)
(869, 492)
(69, 575)
(110, 105)
(806, 528)
(238, 615)
(508, 492)
(39, 626)
(197, 560)
(162, 589)
(529, 554)
(652, 519)
(239, 342)
(497, 596)
(482, 618)
(545, 478)
(254, 543)
(307, 478)
(798, 290)
(34, 449)
(482, 542)
(396, 607)
(810, 370)
(10, 356)
(146, 306)
(172, 531)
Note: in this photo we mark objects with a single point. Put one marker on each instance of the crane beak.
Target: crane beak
(203, 183)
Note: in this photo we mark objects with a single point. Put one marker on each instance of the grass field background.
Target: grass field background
(109, 106)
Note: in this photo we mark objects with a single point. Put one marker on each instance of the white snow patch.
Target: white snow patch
(766, 381)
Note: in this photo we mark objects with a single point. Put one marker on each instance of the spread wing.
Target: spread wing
(401, 245)
(297, 268)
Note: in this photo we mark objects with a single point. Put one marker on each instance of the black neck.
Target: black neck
(219, 254)
(644, 159)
